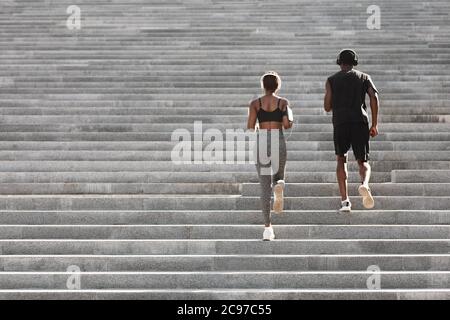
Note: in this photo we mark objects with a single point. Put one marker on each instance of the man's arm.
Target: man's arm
(327, 100)
(374, 106)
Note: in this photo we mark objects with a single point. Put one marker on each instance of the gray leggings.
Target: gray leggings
(270, 172)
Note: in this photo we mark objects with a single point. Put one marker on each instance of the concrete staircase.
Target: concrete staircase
(85, 141)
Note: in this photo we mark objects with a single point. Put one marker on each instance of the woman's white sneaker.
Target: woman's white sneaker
(268, 234)
(346, 206)
(365, 193)
(278, 202)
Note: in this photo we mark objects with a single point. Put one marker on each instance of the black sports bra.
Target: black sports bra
(267, 116)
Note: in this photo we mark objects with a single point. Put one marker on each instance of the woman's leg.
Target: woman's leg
(265, 177)
(282, 152)
(278, 177)
(266, 193)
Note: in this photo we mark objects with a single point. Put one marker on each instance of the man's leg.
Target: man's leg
(342, 176)
(364, 190)
(360, 144)
(342, 145)
(364, 171)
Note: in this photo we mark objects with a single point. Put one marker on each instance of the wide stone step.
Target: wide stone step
(235, 246)
(246, 189)
(381, 202)
(120, 63)
(158, 157)
(96, 111)
(120, 188)
(249, 42)
(42, 135)
(294, 145)
(79, 70)
(211, 87)
(167, 176)
(182, 18)
(321, 65)
(309, 80)
(424, 176)
(230, 294)
(197, 50)
(379, 189)
(208, 100)
(264, 262)
(150, 93)
(388, 77)
(169, 127)
(241, 280)
(234, 217)
(113, 24)
(212, 202)
(195, 53)
(223, 169)
(101, 54)
(188, 119)
(223, 232)
(390, 83)
(11, 86)
(77, 95)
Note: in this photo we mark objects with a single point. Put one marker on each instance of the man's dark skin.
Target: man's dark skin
(364, 167)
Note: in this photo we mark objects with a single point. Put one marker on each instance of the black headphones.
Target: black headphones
(348, 51)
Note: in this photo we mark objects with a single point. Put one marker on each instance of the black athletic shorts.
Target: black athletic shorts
(355, 135)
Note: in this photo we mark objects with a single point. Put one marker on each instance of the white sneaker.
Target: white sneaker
(346, 206)
(268, 234)
(278, 197)
(368, 201)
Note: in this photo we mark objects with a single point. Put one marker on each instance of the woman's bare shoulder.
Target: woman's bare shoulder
(284, 102)
(255, 102)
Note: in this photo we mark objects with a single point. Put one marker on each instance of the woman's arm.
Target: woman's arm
(252, 114)
(286, 123)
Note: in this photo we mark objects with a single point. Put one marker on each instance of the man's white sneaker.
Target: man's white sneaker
(365, 193)
(268, 234)
(278, 202)
(346, 206)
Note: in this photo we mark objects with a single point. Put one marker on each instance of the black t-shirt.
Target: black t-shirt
(349, 90)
